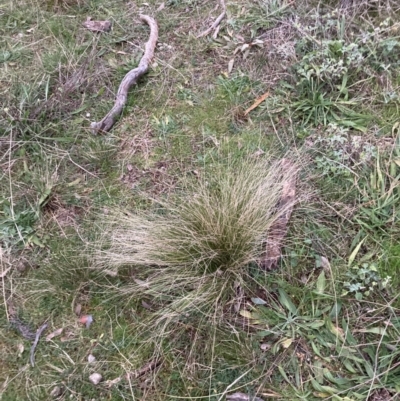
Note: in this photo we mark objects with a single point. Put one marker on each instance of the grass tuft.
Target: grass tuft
(191, 248)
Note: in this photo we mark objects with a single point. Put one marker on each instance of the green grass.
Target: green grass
(182, 172)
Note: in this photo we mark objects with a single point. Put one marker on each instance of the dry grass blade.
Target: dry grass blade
(215, 24)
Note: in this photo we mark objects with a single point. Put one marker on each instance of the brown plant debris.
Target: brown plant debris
(256, 103)
(97, 26)
(380, 394)
(242, 397)
(130, 79)
(148, 367)
(39, 332)
(215, 25)
(277, 233)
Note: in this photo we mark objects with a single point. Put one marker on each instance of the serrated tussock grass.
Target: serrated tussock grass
(190, 251)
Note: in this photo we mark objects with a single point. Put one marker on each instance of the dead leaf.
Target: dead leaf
(246, 314)
(258, 153)
(109, 272)
(287, 343)
(97, 26)
(110, 383)
(265, 346)
(54, 334)
(338, 331)
(146, 305)
(242, 397)
(161, 7)
(86, 319)
(141, 283)
(230, 65)
(95, 378)
(256, 103)
(78, 309)
(56, 392)
(325, 264)
(21, 349)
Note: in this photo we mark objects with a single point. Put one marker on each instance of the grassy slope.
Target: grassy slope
(185, 118)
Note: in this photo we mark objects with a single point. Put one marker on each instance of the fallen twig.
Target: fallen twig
(256, 103)
(278, 230)
(130, 79)
(215, 24)
(39, 332)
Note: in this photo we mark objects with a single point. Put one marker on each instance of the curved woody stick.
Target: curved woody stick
(130, 79)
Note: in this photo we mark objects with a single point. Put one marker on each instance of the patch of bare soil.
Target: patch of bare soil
(156, 180)
(141, 144)
(381, 394)
(63, 215)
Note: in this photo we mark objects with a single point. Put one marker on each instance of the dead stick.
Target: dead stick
(42, 328)
(216, 22)
(130, 79)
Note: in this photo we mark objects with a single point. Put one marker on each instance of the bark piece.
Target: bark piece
(277, 233)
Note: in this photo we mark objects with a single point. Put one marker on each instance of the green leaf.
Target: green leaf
(77, 111)
(374, 330)
(334, 313)
(355, 251)
(36, 241)
(321, 283)
(283, 374)
(316, 324)
(348, 365)
(335, 330)
(45, 197)
(316, 349)
(286, 302)
(318, 371)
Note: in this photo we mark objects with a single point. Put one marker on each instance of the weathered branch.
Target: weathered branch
(216, 23)
(130, 79)
(39, 332)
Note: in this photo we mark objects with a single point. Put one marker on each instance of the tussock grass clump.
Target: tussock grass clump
(192, 249)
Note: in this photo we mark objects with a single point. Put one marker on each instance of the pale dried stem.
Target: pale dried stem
(216, 23)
